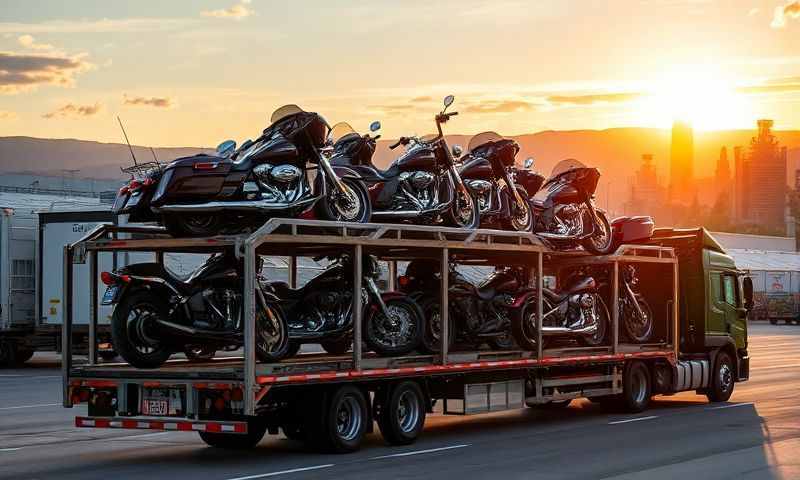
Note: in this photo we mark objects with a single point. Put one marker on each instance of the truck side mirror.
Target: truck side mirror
(747, 285)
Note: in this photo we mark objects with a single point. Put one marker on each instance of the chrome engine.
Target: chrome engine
(278, 183)
(483, 193)
(420, 189)
(567, 220)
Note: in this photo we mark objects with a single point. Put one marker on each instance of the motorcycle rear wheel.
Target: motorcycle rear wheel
(134, 331)
(431, 340)
(642, 330)
(523, 323)
(381, 333)
(193, 225)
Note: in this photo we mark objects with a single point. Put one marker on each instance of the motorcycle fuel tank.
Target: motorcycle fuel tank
(417, 158)
(477, 168)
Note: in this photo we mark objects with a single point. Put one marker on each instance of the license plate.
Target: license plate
(111, 295)
(155, 407)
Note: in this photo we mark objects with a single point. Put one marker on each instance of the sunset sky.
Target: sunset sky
(191, 73)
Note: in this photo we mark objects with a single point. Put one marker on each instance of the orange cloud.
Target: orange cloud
(20, 72)
(235, 12)
(789, 11)
(501, 106)
(7, 115)
(28, 41)
(158, 102)
(593, 98)
(71, 110)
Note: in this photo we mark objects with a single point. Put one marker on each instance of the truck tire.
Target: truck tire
(722, 378)
(401, 413)
(344, 420)
(294, 431)
(636, 387)
(236, 441)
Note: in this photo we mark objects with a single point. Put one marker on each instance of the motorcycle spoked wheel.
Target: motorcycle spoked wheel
(521, 219)
(464, 211)
(638, 330)
(134, 329)
(399, 335)
(272, 334)
(193, 225)
(603, 322)
(523, 323)
(355, 207)
(602, 240)
(431, 340)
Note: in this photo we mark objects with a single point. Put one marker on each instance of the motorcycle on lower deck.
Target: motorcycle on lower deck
(157, 313)
(421, 186)
(322, 311)
(237, 189)
(478, 314)
(564, 210)
(489, 172)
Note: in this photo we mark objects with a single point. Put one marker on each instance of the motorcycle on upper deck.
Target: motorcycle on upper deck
(489, 172)
(565, 213)
(423, 185)
(283, 173)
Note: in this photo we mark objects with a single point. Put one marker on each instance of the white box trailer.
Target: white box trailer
(17, 260)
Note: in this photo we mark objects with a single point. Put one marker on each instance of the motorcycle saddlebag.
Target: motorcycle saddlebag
(632, 229)
(195, 178)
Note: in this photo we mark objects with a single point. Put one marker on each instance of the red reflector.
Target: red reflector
(205, 165)
(148, 181)
(125, 278)
(123, 190)
(107, 278)
(134, 185)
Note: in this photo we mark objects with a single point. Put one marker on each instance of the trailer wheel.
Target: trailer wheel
(344, 420)
(236, 441)
(294, 432)
(722, 379)
(636, 387)
(401, 413)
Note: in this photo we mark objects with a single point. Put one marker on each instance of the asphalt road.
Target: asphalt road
(755, 435)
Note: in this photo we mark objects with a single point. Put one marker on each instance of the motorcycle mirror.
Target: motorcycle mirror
(457, 151)
(374, 126)
(528, 162)
(448, 100)
(225, 148)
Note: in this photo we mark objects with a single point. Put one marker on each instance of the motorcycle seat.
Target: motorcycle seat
(584, 285)
(285, 292)
(486, 293)
(385, 175)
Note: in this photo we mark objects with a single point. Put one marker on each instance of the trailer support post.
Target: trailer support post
(539, 307)
(444, 308)
(391, 284)
(676, 328)
(249, 327)
(66, 327)
(93, 307)
(615, 307)
(357, 308)
(293, 271)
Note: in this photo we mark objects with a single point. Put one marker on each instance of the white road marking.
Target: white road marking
(420, 452)
(733, 405)
(282, 472)
(31, 406)
(637, 419)
(10, 449)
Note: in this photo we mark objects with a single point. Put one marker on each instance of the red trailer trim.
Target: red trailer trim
(457, 367)
(177, 425)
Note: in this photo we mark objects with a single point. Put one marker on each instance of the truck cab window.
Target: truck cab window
(716, 287)
(729, 290)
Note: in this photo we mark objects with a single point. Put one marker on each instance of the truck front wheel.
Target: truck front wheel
(721, 386)
(636, 387)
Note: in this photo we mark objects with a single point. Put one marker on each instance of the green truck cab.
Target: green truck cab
(714, 298)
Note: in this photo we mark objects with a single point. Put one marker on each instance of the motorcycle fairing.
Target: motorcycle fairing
(277, 150)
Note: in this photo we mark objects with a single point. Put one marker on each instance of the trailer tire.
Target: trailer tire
(401, 413)
(236, 441)
(344, 420)
(636, 387)
(722, 380)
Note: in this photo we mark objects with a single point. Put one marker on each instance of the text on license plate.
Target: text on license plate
(111, 292)
(155, 406)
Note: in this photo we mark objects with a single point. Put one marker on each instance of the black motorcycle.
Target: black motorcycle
(237, 189)
(635, 312)
(421, 186)
(478, 314)
(489, 171)
(565, 213)
(322, 311)
(577, 311)
(157, 313)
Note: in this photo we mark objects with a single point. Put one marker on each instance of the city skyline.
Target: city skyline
(165, 68)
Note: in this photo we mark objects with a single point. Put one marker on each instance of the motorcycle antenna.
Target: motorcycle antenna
(154, 155)
(128, 142)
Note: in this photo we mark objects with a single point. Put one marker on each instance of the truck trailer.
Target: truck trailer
(699, 343)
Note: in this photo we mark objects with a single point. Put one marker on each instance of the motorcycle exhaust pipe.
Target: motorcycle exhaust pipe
(590, 330)
(201, 334)
(247, 206)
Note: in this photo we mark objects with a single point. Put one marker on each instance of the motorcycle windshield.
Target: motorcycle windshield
(284, 112)
(482, 139)
(340, 131)
(565, 166)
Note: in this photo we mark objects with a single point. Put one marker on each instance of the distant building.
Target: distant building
(646, 193)
(761, 181)
(681, 173)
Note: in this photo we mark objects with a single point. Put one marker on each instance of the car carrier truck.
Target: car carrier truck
(698, 298)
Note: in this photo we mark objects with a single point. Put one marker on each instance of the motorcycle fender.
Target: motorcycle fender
(345, 172)
(632, 229)
(391, 295)
(523, 296)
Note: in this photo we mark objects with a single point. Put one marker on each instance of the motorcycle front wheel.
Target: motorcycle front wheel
(603, 322)
(464, 211)
(602, 240)
(638, 330)
(355, 206)
(134, 329)
(521, 218)
(398, 334)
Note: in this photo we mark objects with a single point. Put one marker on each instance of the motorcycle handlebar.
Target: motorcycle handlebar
(400, 141)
